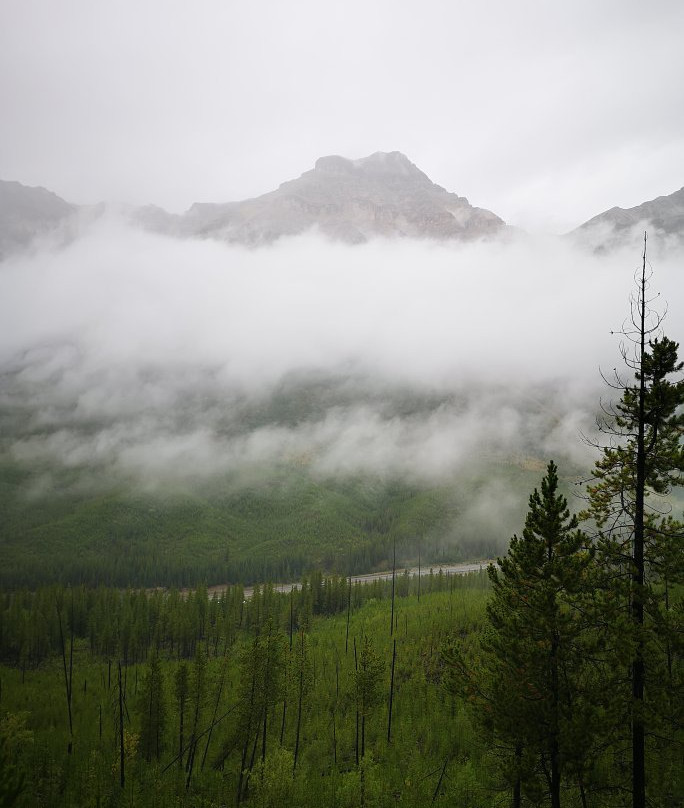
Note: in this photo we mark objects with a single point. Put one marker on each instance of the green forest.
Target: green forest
(334, 694)
(552, 678)
(115, 698)
(286, 525)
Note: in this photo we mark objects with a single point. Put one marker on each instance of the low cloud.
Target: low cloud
(157, 359)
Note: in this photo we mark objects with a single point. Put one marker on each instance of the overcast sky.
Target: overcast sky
(544, 112)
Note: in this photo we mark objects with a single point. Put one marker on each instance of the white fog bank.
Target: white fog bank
(145, 353)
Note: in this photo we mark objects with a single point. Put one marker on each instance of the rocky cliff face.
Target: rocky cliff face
(348, 200)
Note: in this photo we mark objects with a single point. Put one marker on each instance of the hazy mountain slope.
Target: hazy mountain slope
(26, 213)
(269, 499)
(663, 217)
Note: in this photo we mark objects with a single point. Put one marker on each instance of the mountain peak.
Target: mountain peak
(380, 163)
(382, 195)
(663, 215)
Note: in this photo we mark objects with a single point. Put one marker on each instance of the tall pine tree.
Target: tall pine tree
(529, 681)
(152, 710)
(639, 545)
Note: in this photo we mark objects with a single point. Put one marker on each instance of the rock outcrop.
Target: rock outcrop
(384, 195)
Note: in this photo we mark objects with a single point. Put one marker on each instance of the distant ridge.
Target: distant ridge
(383, 195)
(663, 216)
(27, 213)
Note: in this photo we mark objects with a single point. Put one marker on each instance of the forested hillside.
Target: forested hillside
(265, 498)
(273, 530)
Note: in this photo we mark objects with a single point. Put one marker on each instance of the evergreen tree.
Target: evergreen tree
(368, 685)
(260, 687)
(181, 692)
(301, 681)
(152, 710)
(530, 685)
(639, 545)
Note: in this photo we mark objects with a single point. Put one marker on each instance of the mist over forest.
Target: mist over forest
(154, 367)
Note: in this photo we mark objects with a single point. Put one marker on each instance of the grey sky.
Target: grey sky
(544, 112)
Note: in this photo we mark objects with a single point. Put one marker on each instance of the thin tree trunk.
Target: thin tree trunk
(638, 672)
(191, 762)
(517, 786)
(67, 678)
(394, 568)
(181, 709)
(554, 745)
(362, 787)
(299, 704)
(356, 742)
(583, 794)
(267, 687)
(282, 722)
(122, 776)
(263, 739)
(346, 639)
(252, 758)
(148, 750)
(248, 732)
(291, 615)
(554, 749)
(71, 659)
(439, 782)
(419, 573)
(391, 693)
(668, 642)
(213, 718)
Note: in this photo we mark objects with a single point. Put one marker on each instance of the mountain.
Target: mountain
(662, 217)
(27, 213)
(383, 195)
(348, 200)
